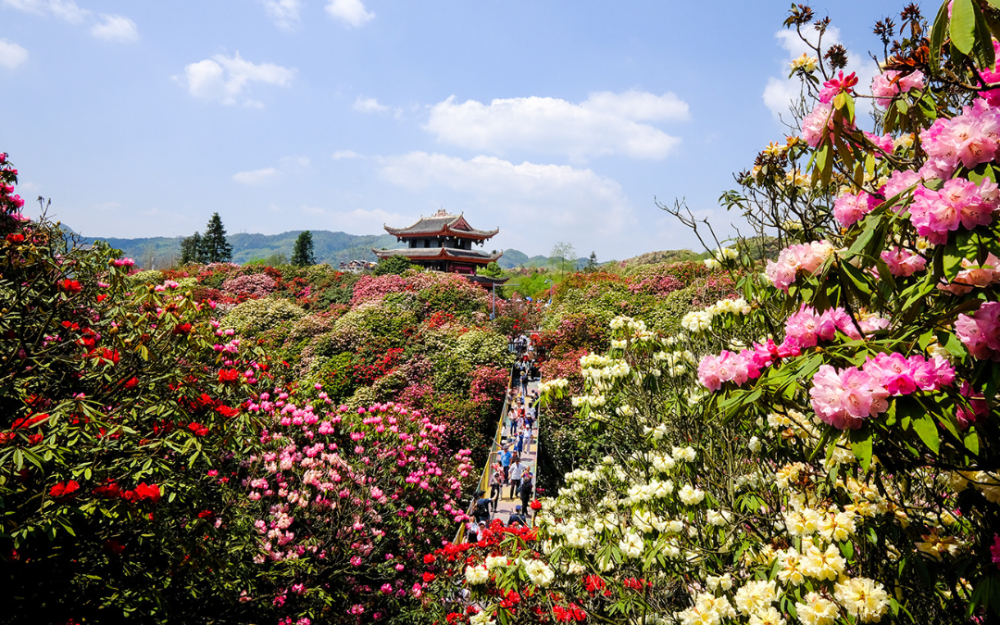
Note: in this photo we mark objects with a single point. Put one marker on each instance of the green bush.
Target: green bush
(260, 314)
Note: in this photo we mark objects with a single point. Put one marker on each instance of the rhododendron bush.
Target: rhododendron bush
(121, 416)
(349, 501)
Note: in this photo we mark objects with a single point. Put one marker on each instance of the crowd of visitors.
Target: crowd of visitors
(510, 470)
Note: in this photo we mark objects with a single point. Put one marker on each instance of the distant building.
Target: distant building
(442, 242)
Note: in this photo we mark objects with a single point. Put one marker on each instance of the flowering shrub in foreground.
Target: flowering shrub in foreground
(114, 409)
(348, 504)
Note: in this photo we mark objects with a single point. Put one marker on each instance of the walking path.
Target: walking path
(528, 459)
(506, 504)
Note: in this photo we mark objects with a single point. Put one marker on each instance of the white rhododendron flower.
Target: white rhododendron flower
(863, 598)
(691, 496)
(476, 575)
(539, 573)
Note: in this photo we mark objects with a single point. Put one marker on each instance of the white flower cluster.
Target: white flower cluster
(552, 385)
(539, 573)
(699, 321)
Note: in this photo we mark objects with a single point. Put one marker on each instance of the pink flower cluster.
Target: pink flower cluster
(903, 263)
(883, 143)
(803, 330)
(807, 258)
(714, 371)
(816, 124)
(255, 286)
(974, 275)
(849, 208)
(844, 398)
(807, 328)
(980, 333)
(967, 139)
(960, 202)
(891, 83)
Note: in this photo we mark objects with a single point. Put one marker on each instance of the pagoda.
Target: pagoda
(442, 242)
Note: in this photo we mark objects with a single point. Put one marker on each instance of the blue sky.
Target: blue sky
(554, 121)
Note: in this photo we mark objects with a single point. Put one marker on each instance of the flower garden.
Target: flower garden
(799, 430)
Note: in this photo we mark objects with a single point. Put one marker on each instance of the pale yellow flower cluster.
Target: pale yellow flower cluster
(699, 321)
(805, 63)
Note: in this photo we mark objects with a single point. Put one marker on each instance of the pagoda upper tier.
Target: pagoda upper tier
(442, 242)
(441, 224)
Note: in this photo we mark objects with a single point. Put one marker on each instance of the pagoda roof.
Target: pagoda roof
(442, 224)
(440, 253)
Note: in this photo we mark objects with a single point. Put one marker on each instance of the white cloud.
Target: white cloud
(286, 165)
(780, 93)
(63, 9)
(257, 176)
(11, 54)
(605, 123)
(115, 28)
(224, 79)
(284, 13)
(351, 12)
(369, 105)
(558, 201)
(356, 221)
(348, 154)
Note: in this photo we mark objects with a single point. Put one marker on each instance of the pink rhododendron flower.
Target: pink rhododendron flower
(889, 84)
(967, 139)
(978, 406)
(883, 143)
(806, 258)
(848, 209)
(903, 263)
(808, 328)
(835, 85)
(980, 333)
(959, 202)
(714, 371)
(845, 398)
(816, 123)
(899, 182)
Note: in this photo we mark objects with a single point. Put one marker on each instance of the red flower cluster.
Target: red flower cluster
(182, 329)
(198, 429)
(635, 584)
(572, 612)
(64, 489)
(15, 238)
(204, 514)
(70, 286)
(228, 375)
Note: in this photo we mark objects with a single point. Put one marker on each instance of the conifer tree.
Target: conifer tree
(214, 247)
(191, 249)
(592, 262)
(302, 255)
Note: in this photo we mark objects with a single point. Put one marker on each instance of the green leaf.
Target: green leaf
(927, 430)
(984, 41)
(972, 442)
(963, 26)
(938, 32)
(861, 445)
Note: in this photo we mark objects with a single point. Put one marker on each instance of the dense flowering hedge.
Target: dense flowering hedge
(114, 408)
(348, 504)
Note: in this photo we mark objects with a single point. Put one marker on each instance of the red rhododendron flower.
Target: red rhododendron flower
(148, 491)
(70, 286)
(132, 382)
(184, 328)
(204, 514)
(198, 429)
(64, 489)
(226, 411)
(428, 578)
(228, 375)
(536, 505)
(429, 559)
(15, 238)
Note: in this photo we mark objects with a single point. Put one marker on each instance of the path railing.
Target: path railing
(484, 478)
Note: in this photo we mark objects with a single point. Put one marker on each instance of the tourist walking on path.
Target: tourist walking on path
(515, 477)
(526, 489)
(505, 462)
(496, 486)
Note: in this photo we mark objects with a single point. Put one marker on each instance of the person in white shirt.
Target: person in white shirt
(515, 477)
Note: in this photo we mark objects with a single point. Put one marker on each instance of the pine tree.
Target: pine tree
(302, 255)
(214, 247)
(191, 249)
(592, 262)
